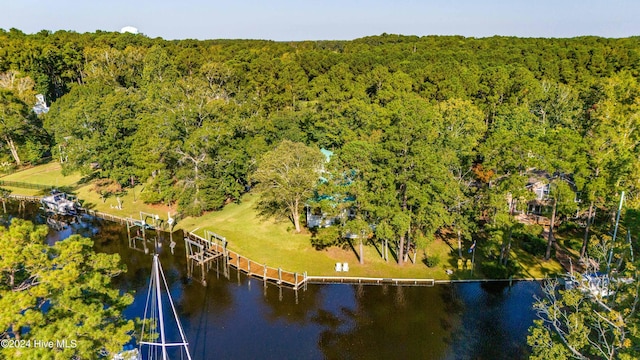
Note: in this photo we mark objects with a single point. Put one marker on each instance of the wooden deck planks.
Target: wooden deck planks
(252, 268)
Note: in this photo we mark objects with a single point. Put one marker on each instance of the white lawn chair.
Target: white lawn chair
(345, 267)
(338, 266)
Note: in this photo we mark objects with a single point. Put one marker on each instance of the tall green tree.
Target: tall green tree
(286, 177)
(14, 121)
(409, 163)
(358, 229)
(562, 197)
(612, 135)
(94, 126)
(59, 292)
(462, 128)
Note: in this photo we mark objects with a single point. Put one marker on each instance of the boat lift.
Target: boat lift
(137, 230)
(203, 251)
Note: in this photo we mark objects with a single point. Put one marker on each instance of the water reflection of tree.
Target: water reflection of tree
(111, 238)
(399, 322)
(492, 318)
(22, 209)
(283, 305)
(213, 300)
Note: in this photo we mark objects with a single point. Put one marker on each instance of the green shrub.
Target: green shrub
(573, 243)
(326, 237)
(34, 151)
(432, 261)
(534, 245)
(493, 270)
(533, 230)
(530, 239)
(568, 226)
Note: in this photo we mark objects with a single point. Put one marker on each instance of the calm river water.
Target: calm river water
(238, 318)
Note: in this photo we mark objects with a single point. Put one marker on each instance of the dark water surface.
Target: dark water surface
(238, 318)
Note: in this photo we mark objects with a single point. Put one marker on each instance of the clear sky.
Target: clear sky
(327, 19)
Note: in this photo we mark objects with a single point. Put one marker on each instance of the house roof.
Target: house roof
(327, 154)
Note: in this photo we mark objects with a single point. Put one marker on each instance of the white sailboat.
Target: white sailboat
(154, 341)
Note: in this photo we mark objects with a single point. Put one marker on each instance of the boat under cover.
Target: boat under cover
(60, 203)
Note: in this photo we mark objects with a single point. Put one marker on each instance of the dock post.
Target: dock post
(305, 281)
(279, 276)
(265, 275)
(249, 267)
(203, 273)
(189, 271)
(238, 267)
(226, 266)
(128, 234)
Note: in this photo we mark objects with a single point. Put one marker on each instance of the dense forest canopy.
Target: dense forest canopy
(192, 118)
(428, 134)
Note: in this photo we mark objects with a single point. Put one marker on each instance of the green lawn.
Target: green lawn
(533, 267)
(271, 242)
(47, 174)
(131, 205)
(51, 174)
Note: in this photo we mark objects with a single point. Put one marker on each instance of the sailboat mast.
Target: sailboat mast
(156, 281)
(156, 270)
(615, 232)
(175, 315)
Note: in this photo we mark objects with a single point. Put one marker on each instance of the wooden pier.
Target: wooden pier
(24, 198)
(405, 282)
(369, 281)
(202, 252)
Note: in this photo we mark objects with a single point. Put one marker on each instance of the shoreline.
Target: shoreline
(304, 278)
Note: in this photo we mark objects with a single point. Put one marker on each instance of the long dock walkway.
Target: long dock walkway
(24, 198)
(202, 251)
(400, 281)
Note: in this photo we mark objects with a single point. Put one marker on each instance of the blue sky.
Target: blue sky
(329, 19)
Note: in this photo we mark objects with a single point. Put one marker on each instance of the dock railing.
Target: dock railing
(369, 281)
(252, 268)
(24, 185)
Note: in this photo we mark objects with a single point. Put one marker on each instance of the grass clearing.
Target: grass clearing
(533, 267)
(274, 243)
(46, 174)
(130, 202)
